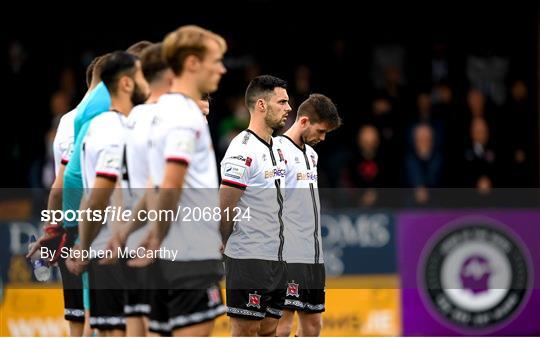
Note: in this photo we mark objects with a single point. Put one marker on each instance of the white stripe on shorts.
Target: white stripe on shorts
(196, 317)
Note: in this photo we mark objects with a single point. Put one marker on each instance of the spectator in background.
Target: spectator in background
(477, 106)
(366, 168)
(299, 92)
(479, 166)
(425, 115)
(517, 139)
(423, 164)
(476, 102)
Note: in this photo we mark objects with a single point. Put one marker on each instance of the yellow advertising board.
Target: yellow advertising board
(33, 311)
(355, 306)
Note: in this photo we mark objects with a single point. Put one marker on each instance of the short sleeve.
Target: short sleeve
(66, 151)
(109, 162)
(235, 168)
(180, 144)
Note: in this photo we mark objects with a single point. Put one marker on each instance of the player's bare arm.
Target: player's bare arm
(229, 197)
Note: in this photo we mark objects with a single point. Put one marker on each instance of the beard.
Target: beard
(273, 121)
(138, 97)
(307, 141)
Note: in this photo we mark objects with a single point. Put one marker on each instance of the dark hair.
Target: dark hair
(94, 68)
(320, 108)
(153, 63)
(90, 71)
(139, 47)
(119, 63)
(261, 86)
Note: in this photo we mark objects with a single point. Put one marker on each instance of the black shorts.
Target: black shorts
(72, 285)
(73, 294)
(255, 288)
(137, 293)
(305, 287)
(178, 300)
(106, 297)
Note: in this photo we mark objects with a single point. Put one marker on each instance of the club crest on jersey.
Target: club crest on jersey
(313, 161)
(248, 161)
(293, 289)
(264, 157)
(214, 297)
(254, 300)
(296, 160)
(246, 138)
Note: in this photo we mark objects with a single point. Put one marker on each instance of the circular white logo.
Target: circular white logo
(475, 276)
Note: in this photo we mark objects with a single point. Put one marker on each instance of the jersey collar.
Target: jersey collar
(269, 145)
(296, 145)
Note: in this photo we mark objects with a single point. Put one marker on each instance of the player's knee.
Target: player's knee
(311, 326)
(245, 327)
(267, 332)
(268, 327)
(284, 330)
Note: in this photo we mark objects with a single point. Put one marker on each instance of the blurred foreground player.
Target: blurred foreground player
(74, 311)
(186, 298)
(102, 156)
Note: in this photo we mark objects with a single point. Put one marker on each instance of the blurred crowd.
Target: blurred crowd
(470, 123)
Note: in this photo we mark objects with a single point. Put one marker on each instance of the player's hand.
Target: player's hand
(152, 241)
(77, 265)
(116, 242)
(54, 238)
(32, 248)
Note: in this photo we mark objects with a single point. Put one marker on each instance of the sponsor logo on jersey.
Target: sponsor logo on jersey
(276, 172)
(309, 176)
(110, 160)
(184, 145)
(247, 160)
(234, 171)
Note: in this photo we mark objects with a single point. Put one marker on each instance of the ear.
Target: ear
(192, 62)
(260, 105)
(127, 84)
(304, 121)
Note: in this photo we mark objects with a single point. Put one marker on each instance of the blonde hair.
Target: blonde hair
(186, 41)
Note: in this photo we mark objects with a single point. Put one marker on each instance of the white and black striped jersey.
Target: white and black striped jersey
(252, 164)
(302, 211)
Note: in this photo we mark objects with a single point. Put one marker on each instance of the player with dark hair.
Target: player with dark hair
(305, 291)
(253, 174)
